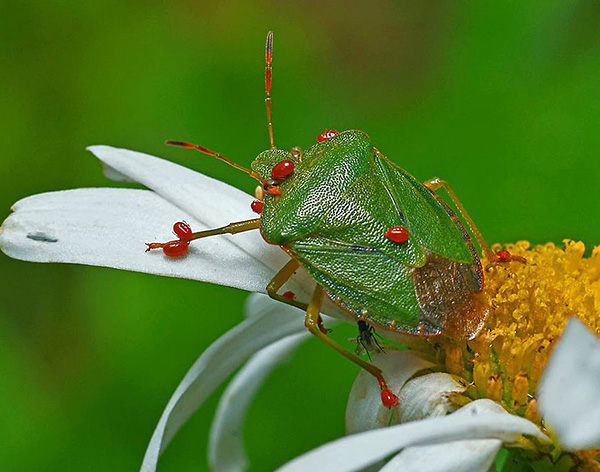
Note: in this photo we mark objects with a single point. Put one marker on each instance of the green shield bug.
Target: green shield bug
(380, 244)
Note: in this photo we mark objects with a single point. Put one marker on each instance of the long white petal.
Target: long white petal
(364, 410)
(216, 363)
(355, 452)
(210, 201)
(226, 449)
(473, 455)
(569, 390)
(108, 227)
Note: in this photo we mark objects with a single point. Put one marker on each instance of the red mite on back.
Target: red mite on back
(282, 170)
(397, 234)
(327, 134)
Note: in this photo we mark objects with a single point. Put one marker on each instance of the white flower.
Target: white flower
(109, 227)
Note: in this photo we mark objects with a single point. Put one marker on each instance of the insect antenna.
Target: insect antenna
(268, 76)
(218, 156)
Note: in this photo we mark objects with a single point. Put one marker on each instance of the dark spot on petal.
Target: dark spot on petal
(41, 237)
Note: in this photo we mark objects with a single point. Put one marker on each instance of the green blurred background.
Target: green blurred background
(499, 98)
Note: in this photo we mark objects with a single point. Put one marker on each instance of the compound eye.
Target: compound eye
(327, 134)
(282, 170)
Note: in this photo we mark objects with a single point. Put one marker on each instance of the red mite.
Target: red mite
(176, 248)
(182, 230)
(282, 169)
(289, 295)
(388, 398)
(503, 255)
(327, 134)
(257, 206)
(397, 234)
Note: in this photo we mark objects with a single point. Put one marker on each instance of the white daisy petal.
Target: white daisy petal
(108, 227)
(210, 201)
(113, 174)
(355, 452)
(456, 456)
(364, 410)
(473, 455)
(226, 449)
(429, 395)
(569, 390)
(216, 363)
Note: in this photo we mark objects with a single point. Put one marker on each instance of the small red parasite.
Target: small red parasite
(288, 295)
(172, 248)
(388, 398)
(282, 170)
(182, 230)
(327, 134)
(505, 256)
(257, 206)
(397, 234)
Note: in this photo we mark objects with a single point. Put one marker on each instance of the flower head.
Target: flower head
(530, 306)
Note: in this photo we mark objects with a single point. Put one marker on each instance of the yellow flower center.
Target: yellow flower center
(530, 304)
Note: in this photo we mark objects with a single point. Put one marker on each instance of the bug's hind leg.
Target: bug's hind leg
(311, 321)
(502, 256)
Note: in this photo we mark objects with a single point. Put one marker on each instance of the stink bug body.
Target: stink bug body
(383, 246)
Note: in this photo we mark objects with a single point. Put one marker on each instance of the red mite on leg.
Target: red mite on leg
(178, 247)
(505, 256)
(388, 398)
(182, 230)
(171, 248)
(288, 295)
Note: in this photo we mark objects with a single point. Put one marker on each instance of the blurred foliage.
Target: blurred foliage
(499, 99)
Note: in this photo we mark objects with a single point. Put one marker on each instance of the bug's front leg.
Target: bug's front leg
(311, 321)
(501, 256)
(281, 277)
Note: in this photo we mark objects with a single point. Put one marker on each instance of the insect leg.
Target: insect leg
(311, 321)
(277, 282)
(282, 277)
(437, 183)
(231, 228)
(180, 245)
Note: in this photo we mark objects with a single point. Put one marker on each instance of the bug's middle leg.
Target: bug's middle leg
(311, 321)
